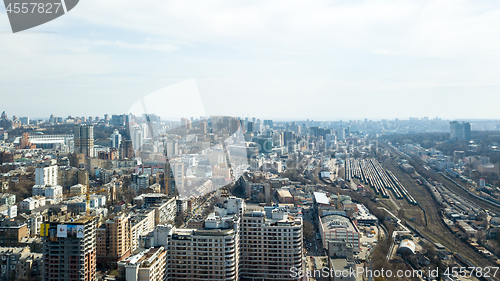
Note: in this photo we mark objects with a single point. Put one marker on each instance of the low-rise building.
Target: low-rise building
(30, 266)
(9, 258)
(284, 196)
(78, 189)
(52, 193)
(335, 227)
(32, 203)
(8, 211)
(146, 266)
(7, 199)
(12, 231)
(97, 201)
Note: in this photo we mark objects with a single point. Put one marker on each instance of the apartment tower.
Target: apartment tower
(84, 140)
(69, 249)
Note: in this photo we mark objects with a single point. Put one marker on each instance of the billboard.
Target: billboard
(52, 234)
(80, 232)
(75, 231)
(62, 230)
(42, 229)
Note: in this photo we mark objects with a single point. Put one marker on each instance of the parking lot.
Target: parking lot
(368, 239)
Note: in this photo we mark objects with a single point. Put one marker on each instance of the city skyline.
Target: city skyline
(279, 120)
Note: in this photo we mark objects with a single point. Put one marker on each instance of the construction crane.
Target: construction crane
(88, 197)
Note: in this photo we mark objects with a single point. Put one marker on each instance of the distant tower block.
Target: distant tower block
(84, 140)
(169, 180)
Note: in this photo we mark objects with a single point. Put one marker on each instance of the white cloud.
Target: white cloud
(146, 46)
(254, 51)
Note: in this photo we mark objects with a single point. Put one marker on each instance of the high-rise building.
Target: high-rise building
(136, 135)
(207, 254)
(171, 148)
(116, 139)
(127, 150)
(313, 131)
(277, 139)
(185, 123)
(250, 127)
(203, 127)
(139, 181)
(288, 138)
(169, 179)
(69, 249)
(118, 120)
(232, 245)
(234, 125)
(46, 176)
(24, 120)
(84, 140)
(268, 123)
(113, 240)
(265, 145)
(341, 134)
(459, 131)
(270, 246)
(258, 126)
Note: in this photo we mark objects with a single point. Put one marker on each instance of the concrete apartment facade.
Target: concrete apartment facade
(146, 266)
(69, 255)
(113, 240)
(270, 247)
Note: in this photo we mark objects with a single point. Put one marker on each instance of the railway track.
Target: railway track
(453, 187)
(436, 230)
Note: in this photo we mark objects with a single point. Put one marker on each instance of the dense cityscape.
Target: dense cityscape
(124, 197)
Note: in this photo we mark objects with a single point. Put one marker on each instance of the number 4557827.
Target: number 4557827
(40, 8)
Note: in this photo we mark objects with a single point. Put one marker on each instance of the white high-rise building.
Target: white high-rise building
(136, 136)
(116, 139)
(46, 184)
(46, 175)
(270, 247)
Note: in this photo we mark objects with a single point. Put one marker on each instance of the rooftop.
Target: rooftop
(321, 198)
(335, 221)
(284, 193)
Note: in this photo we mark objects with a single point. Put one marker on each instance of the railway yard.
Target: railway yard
(437, 196)
(424, 203)
(371, 172)
(435, 229)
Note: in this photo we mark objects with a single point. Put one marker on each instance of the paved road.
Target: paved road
(316, 249)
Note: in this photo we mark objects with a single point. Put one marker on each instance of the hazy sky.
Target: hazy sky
(322, 60)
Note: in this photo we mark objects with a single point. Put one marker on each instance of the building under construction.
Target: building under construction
(69, 249)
